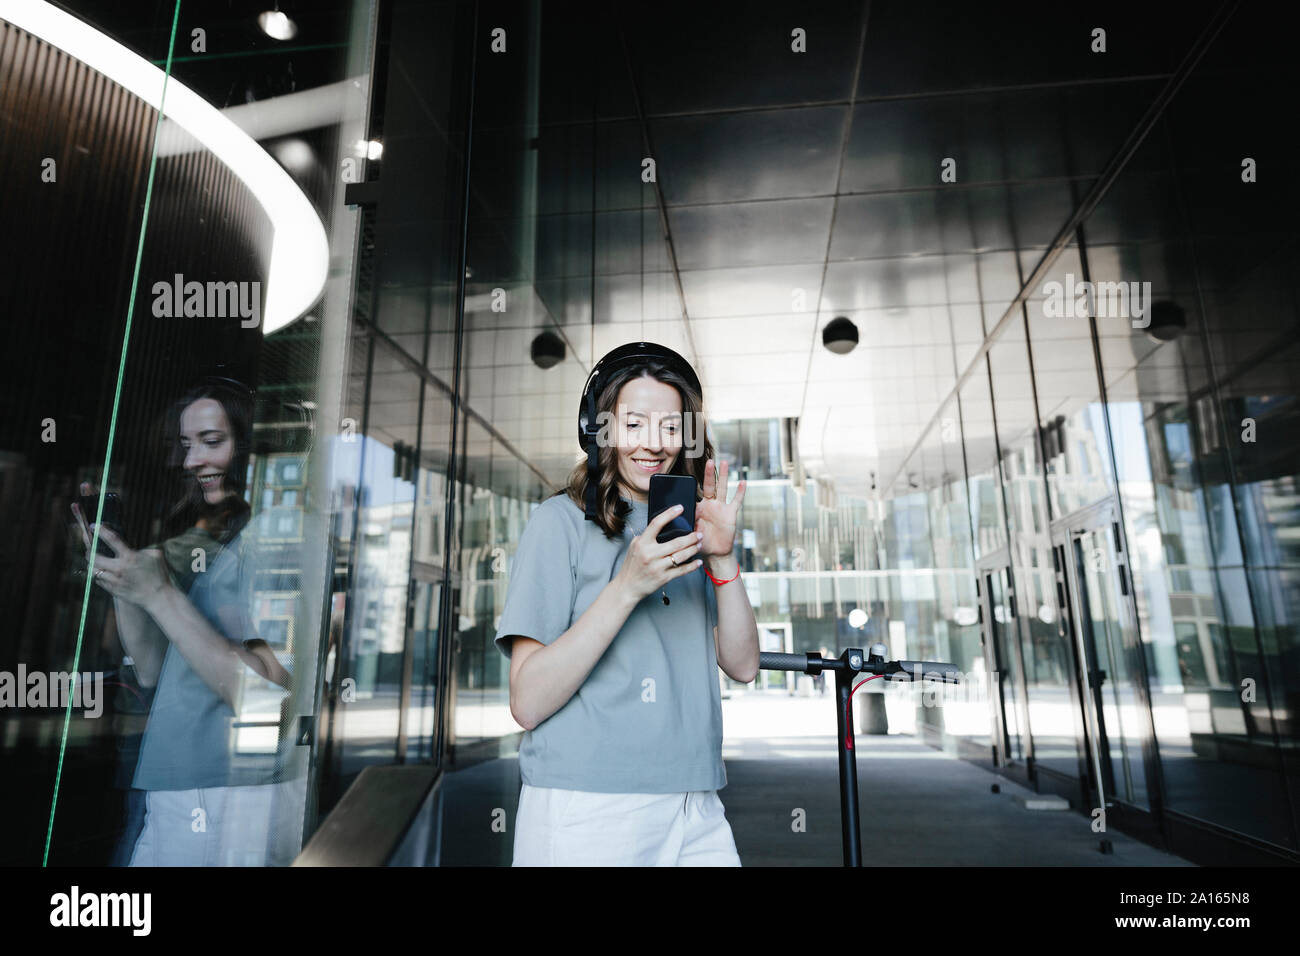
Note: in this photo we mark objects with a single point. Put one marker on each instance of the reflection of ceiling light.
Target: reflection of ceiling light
(857, 617)
(299, 259)
(276, 25)
(1000, 614)
(294, 155)
(1046, 614)
(965, 616)
(369, 148)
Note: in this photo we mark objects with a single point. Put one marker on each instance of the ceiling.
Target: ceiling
(797, 187)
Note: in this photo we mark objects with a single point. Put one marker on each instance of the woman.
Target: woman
(618, 691)
(183, 614)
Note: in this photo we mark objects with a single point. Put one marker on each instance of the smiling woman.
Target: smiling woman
(651, 422)
(621, 762)
(185, 616)
(213, 439)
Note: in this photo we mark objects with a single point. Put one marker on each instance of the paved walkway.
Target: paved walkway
(919, 806)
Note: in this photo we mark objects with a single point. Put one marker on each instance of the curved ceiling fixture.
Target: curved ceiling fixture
(299, 250)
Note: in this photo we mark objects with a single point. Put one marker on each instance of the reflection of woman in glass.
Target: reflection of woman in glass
(615, 682)
(184, 615)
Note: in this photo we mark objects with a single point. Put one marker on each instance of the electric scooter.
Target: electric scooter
(853, 661)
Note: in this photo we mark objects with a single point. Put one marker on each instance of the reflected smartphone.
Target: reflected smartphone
(669, 490)
(111, 519)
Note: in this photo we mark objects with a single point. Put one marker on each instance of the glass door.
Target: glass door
(1100, 622)
(422, 640)
(998, 635)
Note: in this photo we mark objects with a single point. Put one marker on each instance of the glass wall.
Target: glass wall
(191, 234)
(1218, 678)
(1133, 456)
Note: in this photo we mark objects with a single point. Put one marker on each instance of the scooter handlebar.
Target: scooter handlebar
(773, 661)
(891, 670)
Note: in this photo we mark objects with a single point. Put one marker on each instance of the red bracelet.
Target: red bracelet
(729, 580)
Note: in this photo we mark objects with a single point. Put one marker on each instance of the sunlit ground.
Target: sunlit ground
(748, 714)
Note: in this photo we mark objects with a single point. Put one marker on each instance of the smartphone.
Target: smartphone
(669, 490)
(111, 519)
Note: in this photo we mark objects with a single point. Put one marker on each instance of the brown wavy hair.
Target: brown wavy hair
(611, 511)
(228, 517)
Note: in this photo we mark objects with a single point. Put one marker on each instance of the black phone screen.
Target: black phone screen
(112, 517)
(669, 490)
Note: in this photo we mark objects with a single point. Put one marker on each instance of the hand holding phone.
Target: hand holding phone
(649, 565)
(84, 510)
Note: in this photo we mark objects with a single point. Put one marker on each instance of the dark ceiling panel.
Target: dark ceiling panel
(900, 144)
(702, 56)
(758, 155)
(974, 46)
(751, 233)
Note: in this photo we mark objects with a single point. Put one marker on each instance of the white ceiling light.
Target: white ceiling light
(857, 617)
(299, 250)
(294, 155)
(276, 25)
(368, 148)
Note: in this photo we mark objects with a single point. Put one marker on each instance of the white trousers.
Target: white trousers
(221, 826)
(557, 827)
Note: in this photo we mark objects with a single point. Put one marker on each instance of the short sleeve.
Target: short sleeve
(540, 588)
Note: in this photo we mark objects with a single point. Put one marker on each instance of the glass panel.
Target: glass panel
(1111, 643)
(1200, 486)
(1247, 435)
(424, 671)
(202, 267)
(966, 709)
(366, 725)
(986, 506)
(1002, 627)
(1046, 652)
(1076, 449)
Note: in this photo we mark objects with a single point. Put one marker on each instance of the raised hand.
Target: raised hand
(714, 515)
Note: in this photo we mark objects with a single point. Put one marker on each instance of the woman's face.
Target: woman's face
(209, 447)
(649, 433)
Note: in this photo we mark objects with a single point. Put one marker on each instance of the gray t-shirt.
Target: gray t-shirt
(191, 736)
(648, 718)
